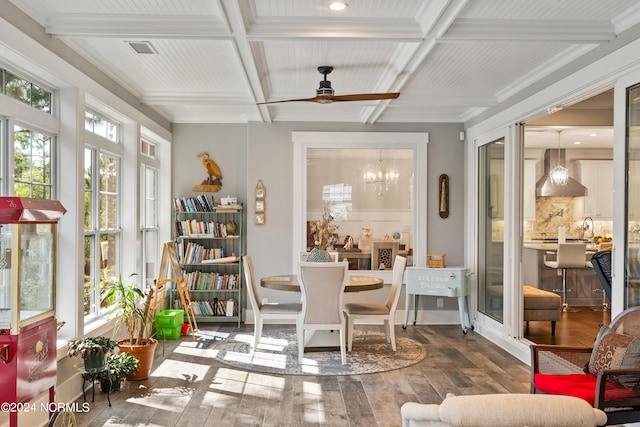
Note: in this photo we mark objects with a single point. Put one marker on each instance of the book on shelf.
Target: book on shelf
(199, 203)
(228, 208)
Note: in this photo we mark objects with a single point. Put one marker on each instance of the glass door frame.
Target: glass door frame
(511, 325)
(618, 254)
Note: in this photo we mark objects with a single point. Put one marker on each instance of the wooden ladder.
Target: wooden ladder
(169, 259)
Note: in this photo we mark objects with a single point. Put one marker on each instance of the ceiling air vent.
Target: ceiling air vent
(143, 47)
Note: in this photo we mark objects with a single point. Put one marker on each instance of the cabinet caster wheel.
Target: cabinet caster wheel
(464, 331)
(414, 323)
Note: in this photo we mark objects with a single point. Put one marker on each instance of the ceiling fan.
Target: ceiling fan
(324, 94)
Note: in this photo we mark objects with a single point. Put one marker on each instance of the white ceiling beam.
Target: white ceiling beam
(135, 26)
(435, 17)
(237, 16)
(317, 28)
(194, 98)
(556, 30)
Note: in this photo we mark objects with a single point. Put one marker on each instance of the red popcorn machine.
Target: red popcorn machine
(27, 299)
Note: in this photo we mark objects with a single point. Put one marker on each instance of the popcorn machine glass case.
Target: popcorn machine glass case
(27, 298)
(27, 260)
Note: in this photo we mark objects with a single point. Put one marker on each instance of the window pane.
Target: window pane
(18, 88)
(88, 274)
(32, 163)
(40, 99)
(88, 190)
(108, 203)
(151, 214)
(490, 228)
(25, 91)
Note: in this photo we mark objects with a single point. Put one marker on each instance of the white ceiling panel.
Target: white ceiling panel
(216, 60)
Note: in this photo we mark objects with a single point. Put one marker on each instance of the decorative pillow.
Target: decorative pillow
(617, 351)
(603, 332)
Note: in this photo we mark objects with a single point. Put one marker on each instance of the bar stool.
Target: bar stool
(569, 255)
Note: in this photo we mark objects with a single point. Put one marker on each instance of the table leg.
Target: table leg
(84, 395)
(415, 309)
(406, 310)
(461, 310)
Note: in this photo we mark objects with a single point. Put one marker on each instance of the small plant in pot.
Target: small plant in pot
(93, 350)
(131, 311)
(119, 366)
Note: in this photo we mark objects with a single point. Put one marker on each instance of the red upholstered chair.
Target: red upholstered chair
(607, 375)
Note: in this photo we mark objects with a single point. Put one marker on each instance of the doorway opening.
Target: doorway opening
(579, 139)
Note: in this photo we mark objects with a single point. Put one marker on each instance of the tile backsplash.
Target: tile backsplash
(553, 212)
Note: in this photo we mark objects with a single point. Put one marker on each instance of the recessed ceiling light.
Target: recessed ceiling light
(593, 134)
(338, 5)
(577, 143)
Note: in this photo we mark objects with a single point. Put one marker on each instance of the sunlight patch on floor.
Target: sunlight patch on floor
(171, 368)
(276, 361)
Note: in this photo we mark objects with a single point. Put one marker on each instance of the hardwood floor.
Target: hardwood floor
(185, 390)
(572, 329)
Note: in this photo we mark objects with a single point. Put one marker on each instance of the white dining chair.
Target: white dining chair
(322, 286)
(385, 312)
(272, 310)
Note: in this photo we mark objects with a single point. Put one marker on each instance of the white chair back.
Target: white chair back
(396, 283)
(322, 285)
(249, 276)
(572, 255)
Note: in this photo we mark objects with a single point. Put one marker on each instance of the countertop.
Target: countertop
(552, 246)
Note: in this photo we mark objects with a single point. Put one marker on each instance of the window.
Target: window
(149, 222)
(148, 149)
(32, 163)
(23, 90)
(103, 234)
(101, 126)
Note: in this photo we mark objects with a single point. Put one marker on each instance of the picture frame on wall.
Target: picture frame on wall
(259, 206)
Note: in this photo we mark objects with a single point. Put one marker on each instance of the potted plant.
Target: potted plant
(132, 312)
(119, 366)
(93, 350)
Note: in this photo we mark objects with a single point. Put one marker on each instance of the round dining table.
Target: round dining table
(289, 282)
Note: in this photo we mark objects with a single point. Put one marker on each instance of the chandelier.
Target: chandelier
(380, 178)
(559, 175)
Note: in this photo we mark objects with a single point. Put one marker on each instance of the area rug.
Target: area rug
(277, 353)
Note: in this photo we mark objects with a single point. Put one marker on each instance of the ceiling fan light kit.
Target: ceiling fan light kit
(326, 95)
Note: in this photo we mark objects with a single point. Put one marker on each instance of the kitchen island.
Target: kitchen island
(583, 286)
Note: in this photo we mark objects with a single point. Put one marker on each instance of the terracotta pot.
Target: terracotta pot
(144, 353)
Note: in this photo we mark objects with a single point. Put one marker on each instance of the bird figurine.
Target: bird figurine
(214, 176)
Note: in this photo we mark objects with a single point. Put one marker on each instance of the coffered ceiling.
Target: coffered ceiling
(214, 60)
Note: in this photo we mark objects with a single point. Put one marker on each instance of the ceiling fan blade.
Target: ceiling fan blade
(365, 97)
(314, 99)
(327, 99)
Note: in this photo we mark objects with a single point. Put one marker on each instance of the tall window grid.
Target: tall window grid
(102, 214)
(149, 223)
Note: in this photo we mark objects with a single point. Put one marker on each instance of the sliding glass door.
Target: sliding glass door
(491, 214)
(632, 250)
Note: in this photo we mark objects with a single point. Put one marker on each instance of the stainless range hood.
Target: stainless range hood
(544, 186)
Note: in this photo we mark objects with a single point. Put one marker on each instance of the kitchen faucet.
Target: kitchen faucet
(586, 227)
